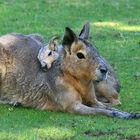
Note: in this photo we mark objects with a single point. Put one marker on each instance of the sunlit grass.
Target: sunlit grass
(117, 25)
(106, 24)
(129, 28)
(53, 133)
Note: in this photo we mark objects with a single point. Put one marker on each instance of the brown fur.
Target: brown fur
(65, 86)
(106, 91)
(20, 83)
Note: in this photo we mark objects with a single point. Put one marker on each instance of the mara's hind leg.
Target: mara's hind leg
(2, 72)
(3, 58)
(103, 89)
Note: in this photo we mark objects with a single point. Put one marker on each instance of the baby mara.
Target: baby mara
(106, 91)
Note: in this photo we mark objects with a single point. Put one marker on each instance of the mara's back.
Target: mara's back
(21, 79)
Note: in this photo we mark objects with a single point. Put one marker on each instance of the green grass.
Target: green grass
(115, 29)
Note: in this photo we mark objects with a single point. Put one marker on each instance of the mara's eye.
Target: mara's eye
(50, 53)
(80, 56)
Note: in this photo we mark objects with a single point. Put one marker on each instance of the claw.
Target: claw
(136, 115)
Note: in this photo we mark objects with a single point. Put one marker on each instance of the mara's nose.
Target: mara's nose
(103, 70)
(45, 68)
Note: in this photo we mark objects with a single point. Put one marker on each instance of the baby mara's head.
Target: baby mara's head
(48, 53)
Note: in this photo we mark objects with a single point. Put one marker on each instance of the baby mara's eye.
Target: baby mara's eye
(80, 55)
(50, 53)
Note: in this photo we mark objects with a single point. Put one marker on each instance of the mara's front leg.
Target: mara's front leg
(92, 98)
(69, 100)
(80, 108)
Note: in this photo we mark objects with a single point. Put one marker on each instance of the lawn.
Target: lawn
(115, 29)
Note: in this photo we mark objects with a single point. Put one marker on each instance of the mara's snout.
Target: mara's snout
(101, 72)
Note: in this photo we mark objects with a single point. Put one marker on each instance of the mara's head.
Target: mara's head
(49, 53)
(81, 58)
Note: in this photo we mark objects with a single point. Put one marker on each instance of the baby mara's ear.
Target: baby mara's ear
(53, 43)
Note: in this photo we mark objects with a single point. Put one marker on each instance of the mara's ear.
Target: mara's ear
(54, 38)
(69, 38)
(84, 34)
(53, 43)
